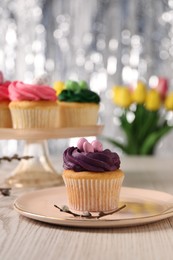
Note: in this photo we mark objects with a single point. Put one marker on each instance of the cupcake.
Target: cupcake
(78, 105)
(33, 106)
(5, 115)
(92, 177)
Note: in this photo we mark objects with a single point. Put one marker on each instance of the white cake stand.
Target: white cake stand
(39, 171)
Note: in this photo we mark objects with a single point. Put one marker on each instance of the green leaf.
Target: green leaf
(148, 125)
(125, 125)
(143, 133)
(128, 149)
(152, 139)
(115, 143)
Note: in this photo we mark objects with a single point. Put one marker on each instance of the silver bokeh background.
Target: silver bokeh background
(105, 42)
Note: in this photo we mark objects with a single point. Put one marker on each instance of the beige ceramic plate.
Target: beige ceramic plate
(142, 206)
(39, 134)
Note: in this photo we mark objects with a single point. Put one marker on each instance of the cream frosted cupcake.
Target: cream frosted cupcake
(33, 106)
(5, 115)
(92, 177)
(78, 106)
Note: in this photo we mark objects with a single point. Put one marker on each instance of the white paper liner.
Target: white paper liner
(35, 118)
(93, 195)
(78, 116)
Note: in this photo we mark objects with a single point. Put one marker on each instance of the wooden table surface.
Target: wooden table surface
(23, 238)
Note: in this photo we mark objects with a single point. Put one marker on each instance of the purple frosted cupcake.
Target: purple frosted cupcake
(92, 177)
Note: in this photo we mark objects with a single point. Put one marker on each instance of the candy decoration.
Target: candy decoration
(42, 80)
(76, 86)
(72, 85)
(59, 86)
(98, 147)
(84, 146)
(83, 85)
(87, 147)
(80, 143)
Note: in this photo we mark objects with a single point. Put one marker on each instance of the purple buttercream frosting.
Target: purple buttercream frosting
(98, 161)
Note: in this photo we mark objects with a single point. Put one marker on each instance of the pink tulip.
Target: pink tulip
(162, 87)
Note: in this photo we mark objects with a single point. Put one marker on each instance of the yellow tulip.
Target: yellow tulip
(169, 101)
(153, 100)
(115, 94)
(122, 96)
(58, 86)
(139, 93)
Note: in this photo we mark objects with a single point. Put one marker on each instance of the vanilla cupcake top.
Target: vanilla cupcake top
(19, 91)
(73, 91)
(90, 157)
(4, 93)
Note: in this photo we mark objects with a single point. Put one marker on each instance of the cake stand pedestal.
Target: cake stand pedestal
(38, 171)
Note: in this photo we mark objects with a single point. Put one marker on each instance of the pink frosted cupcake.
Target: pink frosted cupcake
(5, 115)
(92, 177)
(33, 106)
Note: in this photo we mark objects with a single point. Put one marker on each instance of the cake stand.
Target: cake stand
(38, 171)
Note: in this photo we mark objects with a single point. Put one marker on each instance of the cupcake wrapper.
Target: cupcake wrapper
(35, 118)
(93, 195)
(5, 118)
(78, 116)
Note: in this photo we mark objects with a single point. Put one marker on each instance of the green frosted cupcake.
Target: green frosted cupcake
(78, 105)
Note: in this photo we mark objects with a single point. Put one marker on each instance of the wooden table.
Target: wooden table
(23, 238)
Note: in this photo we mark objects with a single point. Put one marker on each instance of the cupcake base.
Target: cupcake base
(73, 114)
(34, 114)
(5, 115)
(93, 192)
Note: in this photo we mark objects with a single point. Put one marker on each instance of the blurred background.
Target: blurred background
(105, 42)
